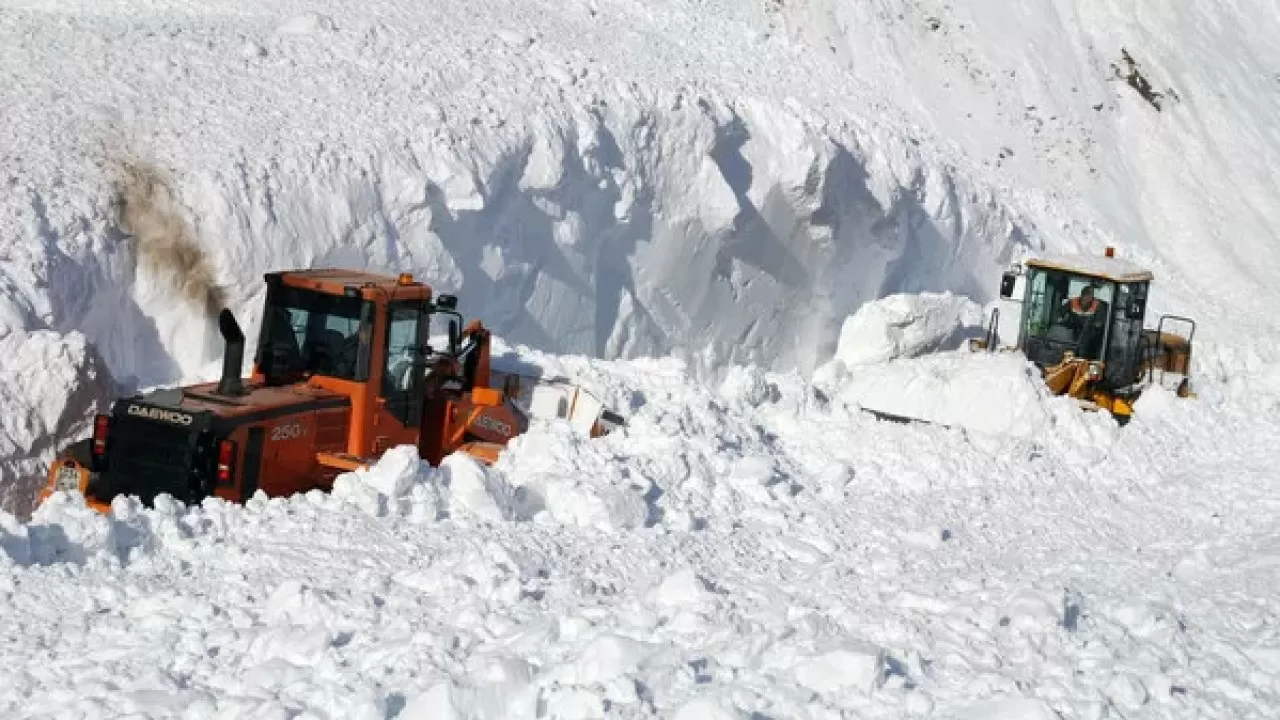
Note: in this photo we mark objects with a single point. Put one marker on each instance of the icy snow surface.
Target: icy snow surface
(722, 185)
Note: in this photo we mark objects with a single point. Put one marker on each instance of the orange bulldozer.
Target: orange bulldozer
(343, 371)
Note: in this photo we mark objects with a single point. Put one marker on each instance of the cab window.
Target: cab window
(1060, 316)
(402, 371)
(308, 332)
(1127, 316)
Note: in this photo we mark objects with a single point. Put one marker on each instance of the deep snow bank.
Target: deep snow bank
(628, 231)
(584, 191)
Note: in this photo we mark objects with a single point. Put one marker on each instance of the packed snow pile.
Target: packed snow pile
(995, 393)
(905, 325)
(905, 356)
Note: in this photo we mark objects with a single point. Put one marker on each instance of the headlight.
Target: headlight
(67, 479)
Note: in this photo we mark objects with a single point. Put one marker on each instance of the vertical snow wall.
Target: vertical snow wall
(722, 235)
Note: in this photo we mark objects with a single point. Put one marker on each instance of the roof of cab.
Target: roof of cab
(1100, 266)
(336, 280)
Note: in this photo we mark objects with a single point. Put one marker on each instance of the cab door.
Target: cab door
(398, 416)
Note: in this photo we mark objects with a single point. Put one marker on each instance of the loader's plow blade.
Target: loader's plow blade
(902, 419)
(543, 398)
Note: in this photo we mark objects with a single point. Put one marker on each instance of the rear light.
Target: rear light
(1095, 372)
(226, 461)
(101, 428)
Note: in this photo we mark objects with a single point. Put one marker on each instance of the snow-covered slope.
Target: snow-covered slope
(1036, 99)
(725, 183)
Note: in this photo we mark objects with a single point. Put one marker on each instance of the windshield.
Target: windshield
(1065, 312)
(307, 332)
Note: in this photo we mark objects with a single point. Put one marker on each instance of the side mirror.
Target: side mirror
(447, 302)
(1007, 281)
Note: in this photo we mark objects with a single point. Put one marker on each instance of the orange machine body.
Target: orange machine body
(342, 372)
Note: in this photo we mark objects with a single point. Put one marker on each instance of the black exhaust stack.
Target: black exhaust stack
(233, 358)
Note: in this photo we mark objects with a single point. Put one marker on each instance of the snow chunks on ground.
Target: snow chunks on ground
(534, 485)
(759, 548)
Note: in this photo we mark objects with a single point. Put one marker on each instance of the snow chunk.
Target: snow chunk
(1158, 404)
(401, 484)
(748, 384)
(309, 23)
(567, 480)
(606, 658)
(907, 326)
(852, 667)
(683, 588)
(437, 703)
(475, 489)
(706, 708)
(388, 487)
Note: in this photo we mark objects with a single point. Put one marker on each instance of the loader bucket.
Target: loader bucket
(558, 399)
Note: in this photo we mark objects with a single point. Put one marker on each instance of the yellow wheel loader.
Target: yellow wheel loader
(1080, 319)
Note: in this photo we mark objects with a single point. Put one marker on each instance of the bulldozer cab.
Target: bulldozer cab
(1093, 309)
(361, 335)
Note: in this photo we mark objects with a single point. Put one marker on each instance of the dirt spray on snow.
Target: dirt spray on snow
(165, 242)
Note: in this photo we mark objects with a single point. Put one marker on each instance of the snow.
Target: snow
(796, 558)
(995, 393)
(907, 326)
(740, 224)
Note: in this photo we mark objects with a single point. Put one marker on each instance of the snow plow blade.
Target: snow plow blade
(900, 419)
(558, 398)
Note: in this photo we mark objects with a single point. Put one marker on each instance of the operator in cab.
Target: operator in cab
(1085, 315)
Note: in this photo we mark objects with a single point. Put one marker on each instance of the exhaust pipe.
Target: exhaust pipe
(233, 357)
